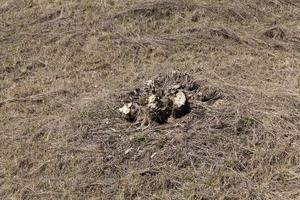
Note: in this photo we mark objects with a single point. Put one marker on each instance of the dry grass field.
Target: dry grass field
(66, 64)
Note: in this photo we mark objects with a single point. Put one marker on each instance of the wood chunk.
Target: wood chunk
(152, 101)
(180, 99)
(126, 109)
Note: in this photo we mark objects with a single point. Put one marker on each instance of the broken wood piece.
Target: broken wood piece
(180, 99)
(126, 109)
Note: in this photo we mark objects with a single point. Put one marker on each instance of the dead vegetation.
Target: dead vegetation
(166, 98)
(157, 9)
(225, 125)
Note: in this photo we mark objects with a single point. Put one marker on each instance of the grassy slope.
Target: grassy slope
(61, 62)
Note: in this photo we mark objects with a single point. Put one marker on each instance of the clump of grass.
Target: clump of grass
(141, 140)
(247, 121)
(85, 114)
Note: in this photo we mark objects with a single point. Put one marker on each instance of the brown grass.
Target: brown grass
(63, 65)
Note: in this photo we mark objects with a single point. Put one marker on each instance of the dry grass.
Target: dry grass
(64, 63)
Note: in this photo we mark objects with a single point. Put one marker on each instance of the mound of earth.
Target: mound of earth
(167, 97)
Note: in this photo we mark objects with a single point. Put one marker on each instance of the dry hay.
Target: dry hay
(238, 137)
(215, 32)
(274, 33)
(157, 9)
